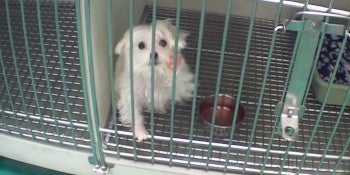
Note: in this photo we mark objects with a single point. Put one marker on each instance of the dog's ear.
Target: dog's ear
(122, 43)
(182, 38)
(168, 23)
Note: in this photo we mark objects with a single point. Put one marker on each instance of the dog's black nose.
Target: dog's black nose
(155, 55)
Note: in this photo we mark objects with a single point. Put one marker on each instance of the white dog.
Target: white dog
(163, 72)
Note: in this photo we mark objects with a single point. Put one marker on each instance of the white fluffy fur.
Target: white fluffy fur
(142, 73)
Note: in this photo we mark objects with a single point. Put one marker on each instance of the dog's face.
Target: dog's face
(142, 44)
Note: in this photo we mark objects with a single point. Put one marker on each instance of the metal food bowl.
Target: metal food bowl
(224, 114)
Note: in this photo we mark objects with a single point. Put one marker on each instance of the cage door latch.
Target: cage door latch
(289, 115)
(290, 123)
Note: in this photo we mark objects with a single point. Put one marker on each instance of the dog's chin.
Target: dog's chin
(145, 69)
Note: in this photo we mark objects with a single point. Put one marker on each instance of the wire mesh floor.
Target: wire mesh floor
(210, 54)
(21, 116)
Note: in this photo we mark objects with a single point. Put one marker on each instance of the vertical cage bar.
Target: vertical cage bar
(218, 82)
(173, 92)
(83, 75)
(22, 99)
(63, 74)
(285, 156)
(339, 117)
(24, 28)
(1, 108)
(324, 102)
(93, 122)
(195, 92)
(14, 57)
(239, 93)
(267, 65)
(131, 48)
(309, 85)
(277, 117)
(111, 74)
(2, 113)
(276, 123)
(154, 18)
(9, 96)
(48, 84)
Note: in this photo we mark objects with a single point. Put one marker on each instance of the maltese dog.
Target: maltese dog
(163, 72)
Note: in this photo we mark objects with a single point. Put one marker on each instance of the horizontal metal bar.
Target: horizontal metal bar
(50, 120)
(311, 7)
(200, 164)
(221, 145)
(322, 14)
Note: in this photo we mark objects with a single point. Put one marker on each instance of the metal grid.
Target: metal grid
(53, 121)
(210, 53)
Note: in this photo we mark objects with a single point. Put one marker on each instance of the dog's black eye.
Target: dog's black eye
(162, 43)
(141, 45)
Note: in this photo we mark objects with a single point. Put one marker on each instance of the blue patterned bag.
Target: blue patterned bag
(328, 57)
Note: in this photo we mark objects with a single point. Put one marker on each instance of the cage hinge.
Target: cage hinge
(98, 166)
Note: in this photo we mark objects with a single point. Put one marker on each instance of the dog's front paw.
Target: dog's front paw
(140, 133)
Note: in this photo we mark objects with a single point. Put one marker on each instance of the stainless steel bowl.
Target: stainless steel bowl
(224, 114)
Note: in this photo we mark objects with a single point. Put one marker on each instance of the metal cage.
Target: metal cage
(57, 89)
